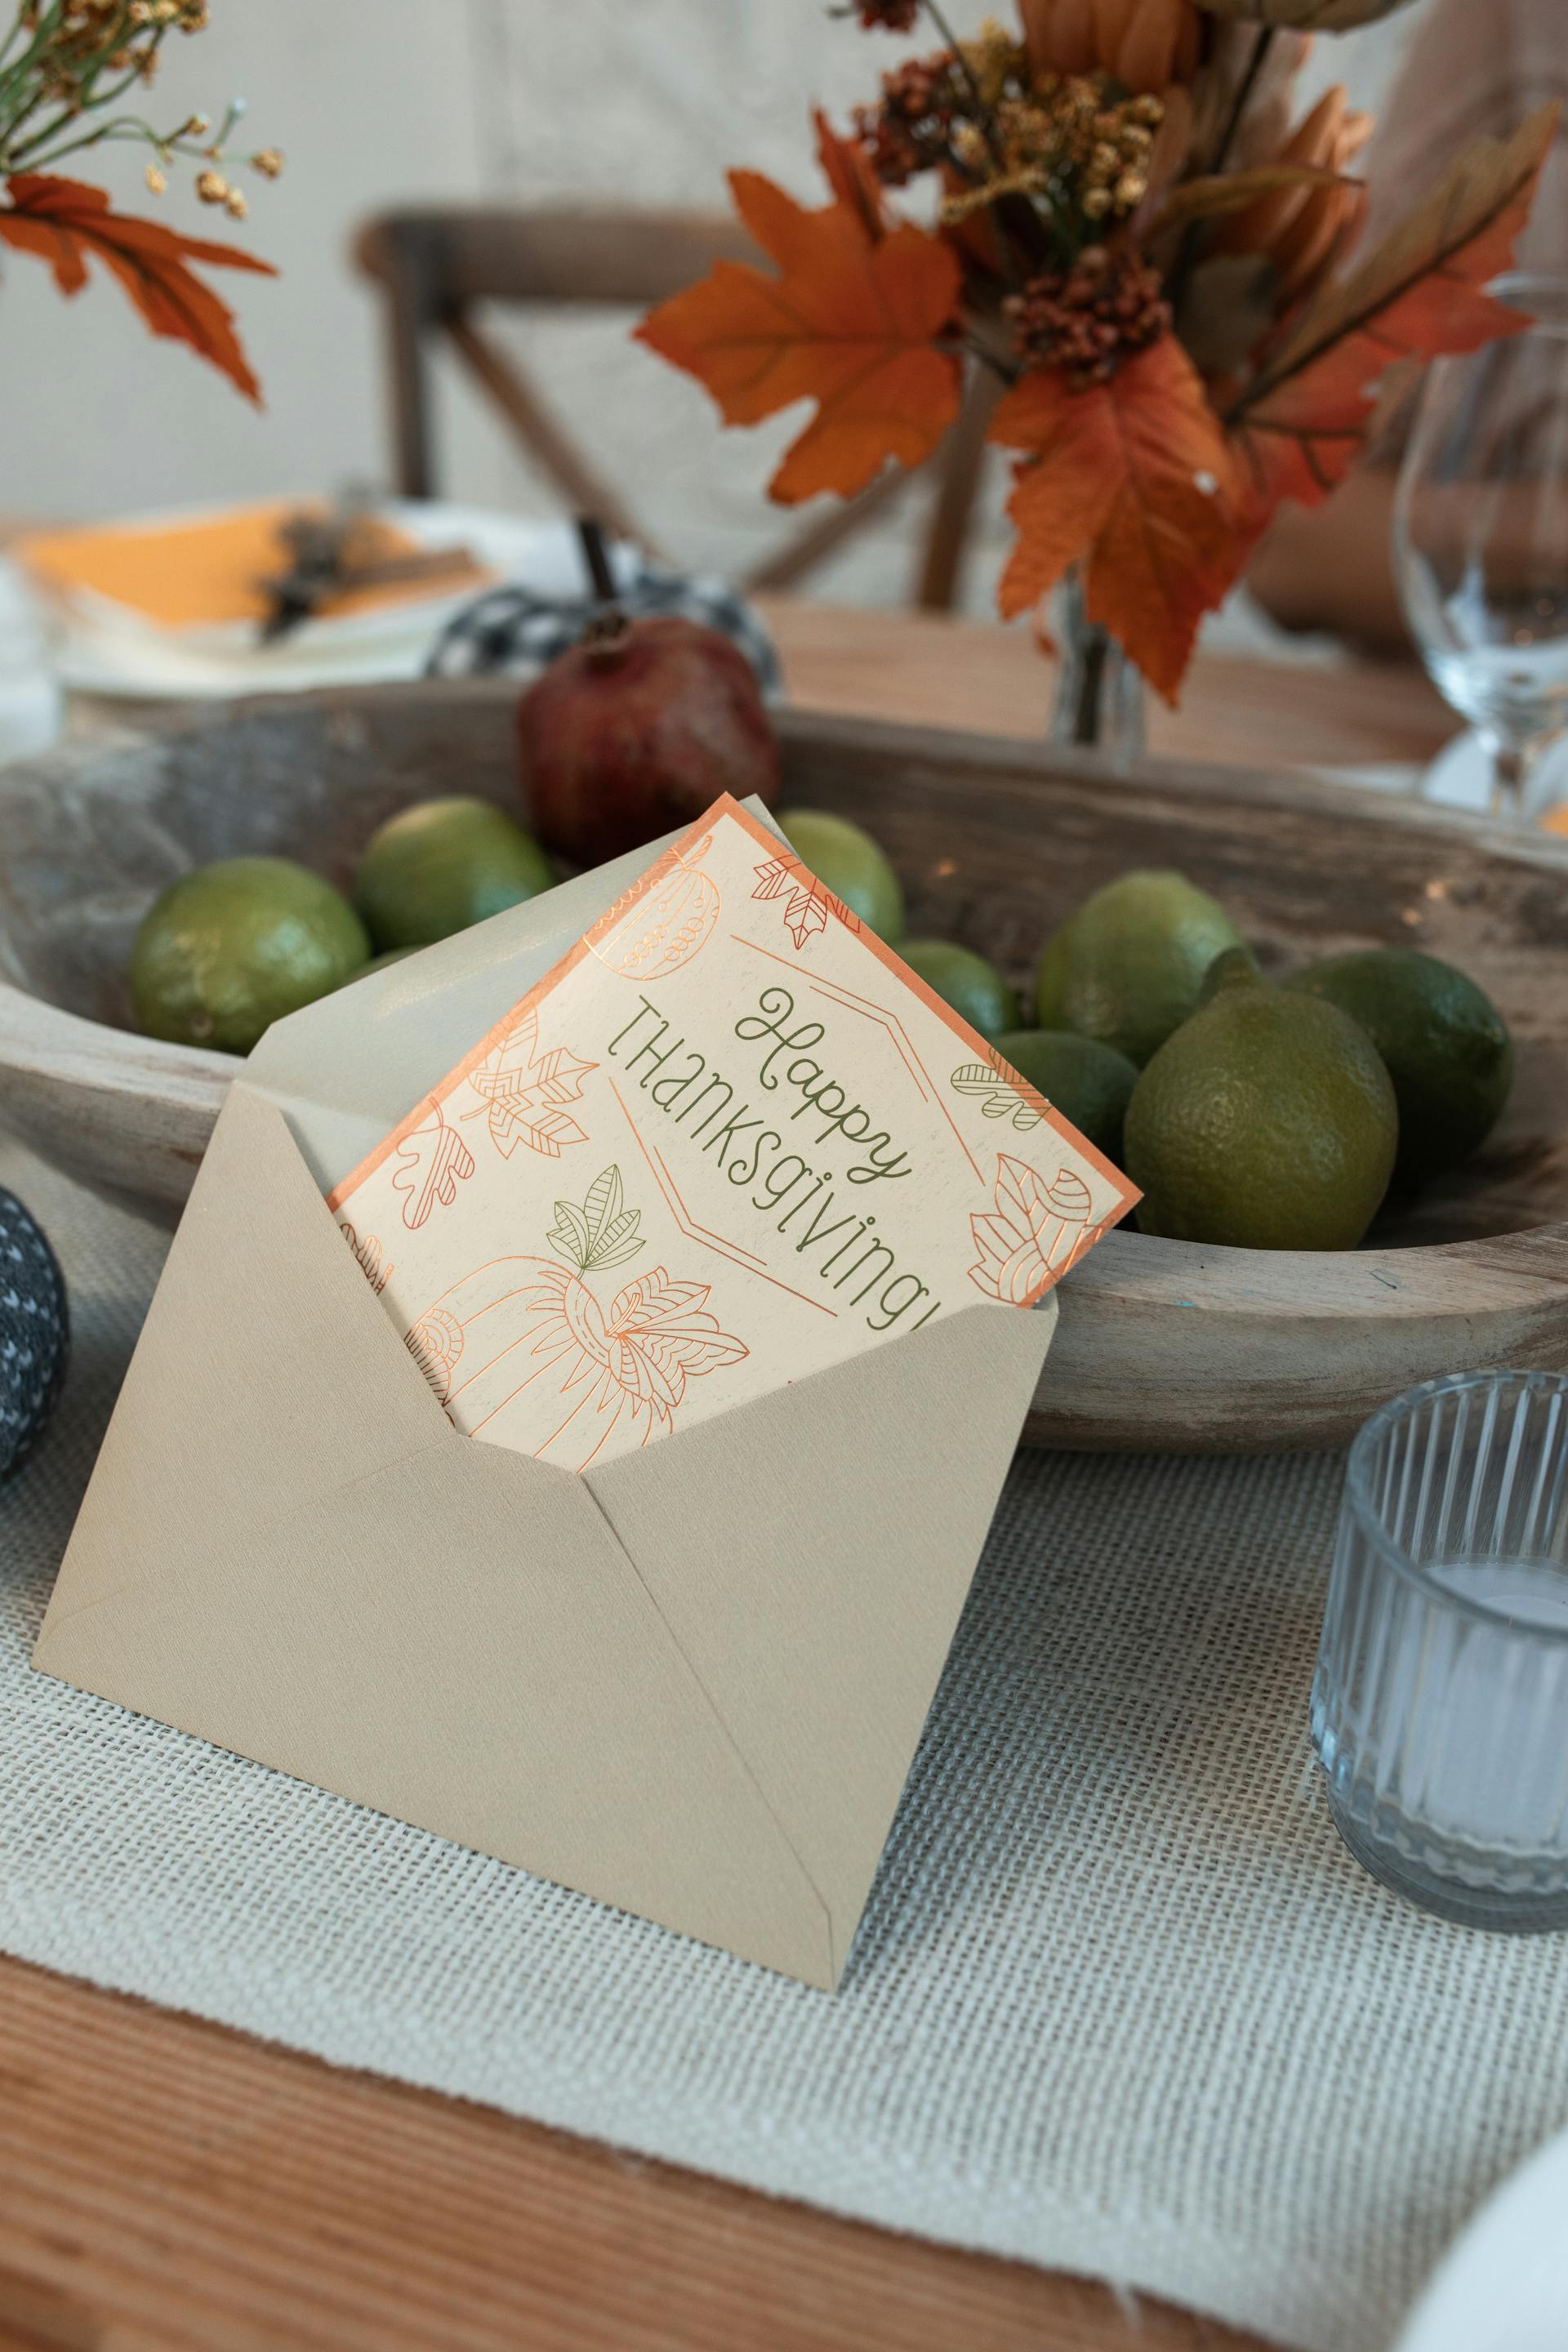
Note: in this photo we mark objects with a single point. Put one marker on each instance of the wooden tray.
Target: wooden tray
(1163, 1344)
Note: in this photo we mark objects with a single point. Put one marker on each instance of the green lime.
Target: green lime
(1446, 1046)
(976, 988)
(436, 868)
(1235, 963)
(1088, 1083)
(1267, 1121)
(851, 865)
(1128, 967)
(224, 952)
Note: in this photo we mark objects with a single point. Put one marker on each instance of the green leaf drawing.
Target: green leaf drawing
(1002, 1094)
(601, 1232)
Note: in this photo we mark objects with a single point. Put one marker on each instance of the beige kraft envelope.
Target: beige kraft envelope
(688, 1681)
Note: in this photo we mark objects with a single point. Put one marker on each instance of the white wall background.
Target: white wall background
(377, 101)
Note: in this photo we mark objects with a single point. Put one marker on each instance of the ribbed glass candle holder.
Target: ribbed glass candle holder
(1440, 1703)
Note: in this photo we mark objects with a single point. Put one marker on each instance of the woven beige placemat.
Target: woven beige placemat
(1120, 2003)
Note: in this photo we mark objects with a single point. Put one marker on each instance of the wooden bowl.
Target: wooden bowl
(1163, 1344)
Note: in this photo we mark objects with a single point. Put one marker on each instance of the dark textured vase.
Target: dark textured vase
(35, 1332)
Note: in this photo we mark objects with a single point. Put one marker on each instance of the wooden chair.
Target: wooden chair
(436, 269)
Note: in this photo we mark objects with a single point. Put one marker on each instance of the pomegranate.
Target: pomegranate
(636, 730)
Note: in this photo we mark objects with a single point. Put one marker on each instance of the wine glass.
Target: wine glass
(1480, 538)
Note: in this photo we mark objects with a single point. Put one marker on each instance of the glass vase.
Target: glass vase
(30, 713)
(1099, 693)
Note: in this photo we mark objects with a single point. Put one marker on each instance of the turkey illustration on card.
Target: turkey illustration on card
(1159, 267)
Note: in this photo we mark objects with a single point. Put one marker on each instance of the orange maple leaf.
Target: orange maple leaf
(850, 322)
(1132, 479)
(1420, 293)
(847, 170)
(63, 221)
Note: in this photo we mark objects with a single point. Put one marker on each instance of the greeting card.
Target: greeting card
(728, 1142)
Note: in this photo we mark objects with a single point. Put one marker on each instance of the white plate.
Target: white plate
(103, 648)
(1502, 2286)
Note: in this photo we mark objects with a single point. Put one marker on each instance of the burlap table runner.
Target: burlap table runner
(1120, 2002)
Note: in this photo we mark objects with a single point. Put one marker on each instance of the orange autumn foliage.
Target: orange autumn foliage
(1299, 227)
(1153, 478)
(1145, 43)
(1141, 482)
(847, 168)
(852, 321)
(1134, 477)
(1420, 293)
(65, 221)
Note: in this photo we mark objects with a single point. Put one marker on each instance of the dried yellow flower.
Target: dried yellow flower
(212, 188)
(269, 161)
(156, 180)
(1071, 145)
(968, 145)
(993, 57)
(234, 204)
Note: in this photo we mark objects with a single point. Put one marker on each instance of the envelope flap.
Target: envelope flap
(811, 1551)
(345, 1069)
(267, 1372)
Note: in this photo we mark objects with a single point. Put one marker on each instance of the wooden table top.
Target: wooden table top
(919, 668)
(169, 2186)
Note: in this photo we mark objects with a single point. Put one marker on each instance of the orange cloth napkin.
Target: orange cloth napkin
(182, 575)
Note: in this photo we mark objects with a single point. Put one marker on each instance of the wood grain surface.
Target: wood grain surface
(922, 669)
(166, 2186)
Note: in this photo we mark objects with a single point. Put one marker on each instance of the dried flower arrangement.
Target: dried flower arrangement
(1131, 234)
(65, 67)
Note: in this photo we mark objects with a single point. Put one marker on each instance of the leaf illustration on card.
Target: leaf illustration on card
(369, 1253)
(432, 1161)
(601, 1232)
(526, 1092)
(1002, 1094)
(1035, 1232)
(807, 901)
(660, 1336)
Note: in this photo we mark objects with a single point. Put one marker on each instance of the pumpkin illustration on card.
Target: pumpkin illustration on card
(526, 1337)
(661, 925)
